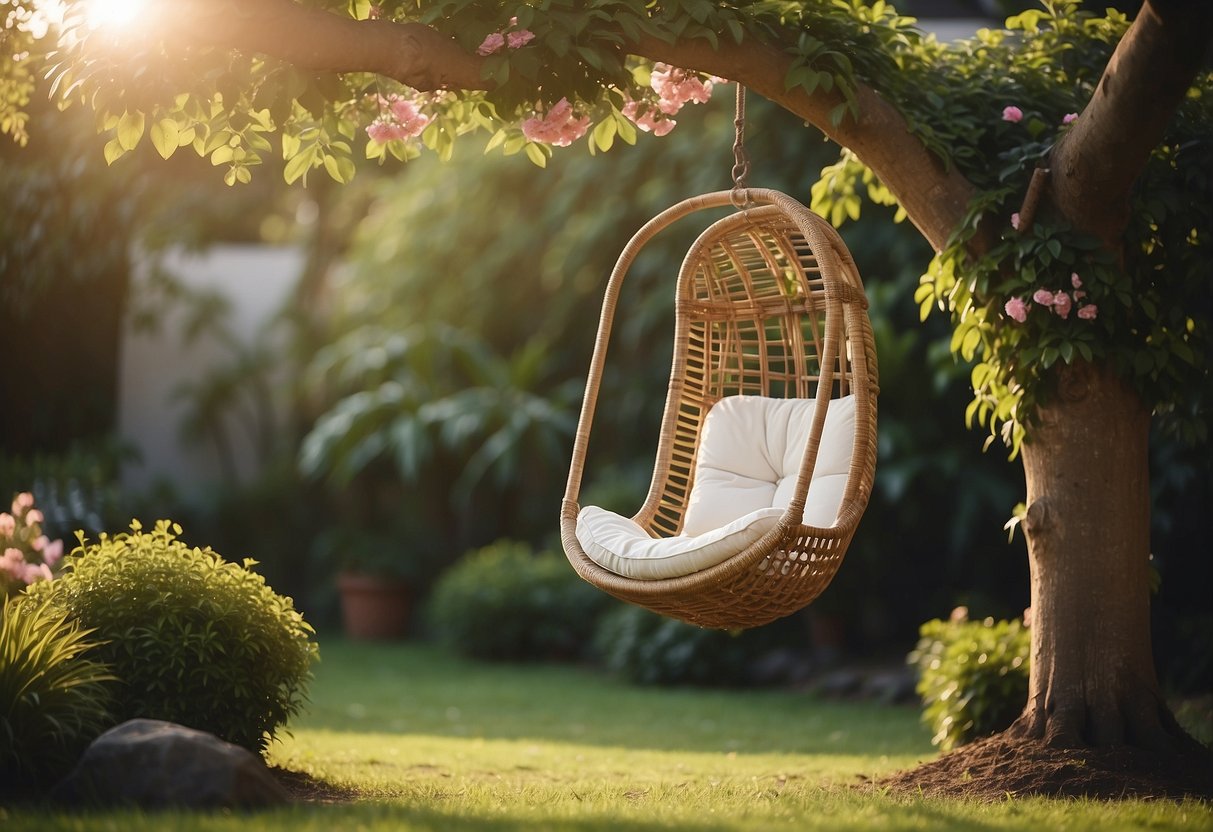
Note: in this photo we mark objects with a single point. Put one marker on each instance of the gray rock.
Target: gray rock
(154, 764)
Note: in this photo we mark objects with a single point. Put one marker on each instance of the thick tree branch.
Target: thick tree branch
(317, 40)
(1099, 159)
(934, 197)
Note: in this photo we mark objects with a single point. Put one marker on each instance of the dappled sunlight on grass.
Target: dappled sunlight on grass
(427, 741)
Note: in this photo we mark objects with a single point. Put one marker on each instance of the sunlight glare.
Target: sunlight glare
(113, 13)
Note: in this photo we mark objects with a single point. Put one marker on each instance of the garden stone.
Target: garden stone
(154, 764)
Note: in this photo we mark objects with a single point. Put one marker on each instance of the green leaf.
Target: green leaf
(297, 167)
(165, 137)
(340, 168)
(535, 153)
(130, 129)
(113, 151)
(604, 134)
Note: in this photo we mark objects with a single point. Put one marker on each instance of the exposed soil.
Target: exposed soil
(992, 768)
(303, 788)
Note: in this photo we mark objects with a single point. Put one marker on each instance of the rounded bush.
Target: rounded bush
(195, 639)
(54, 700)
(508, 602)
(972, 676)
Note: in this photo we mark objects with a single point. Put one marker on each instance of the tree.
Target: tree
(1046, 166)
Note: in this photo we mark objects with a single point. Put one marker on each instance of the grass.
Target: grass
(433, 742)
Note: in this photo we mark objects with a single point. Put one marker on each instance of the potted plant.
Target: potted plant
(375, 581)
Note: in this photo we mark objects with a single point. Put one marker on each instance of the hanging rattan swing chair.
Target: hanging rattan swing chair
(767, 450)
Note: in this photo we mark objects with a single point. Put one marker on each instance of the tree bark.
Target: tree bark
(1092, 676)
(1086, 461)
(1096, 163)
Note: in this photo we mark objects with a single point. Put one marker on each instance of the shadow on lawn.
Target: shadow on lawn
(419, 689)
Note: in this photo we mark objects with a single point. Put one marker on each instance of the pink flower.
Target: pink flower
(1069, 118)
(559, 127)
(384, 131)
(23, 501)
(1062, 304)
(500, 40)
(491, 44)
(35, 572)
(411, 119)
(39, 542)
(33, 516)
(1043, 296)
(648, 120)
(399, 119)
(13, 563)
(8, 524)
(676, 87)
(1012, 114)
(519, 39)
(53, 553)
(1017, 309)
(1088, 312)
(1015, 220)
(1075, 280)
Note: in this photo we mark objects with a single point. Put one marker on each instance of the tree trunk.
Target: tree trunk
(1088, 529)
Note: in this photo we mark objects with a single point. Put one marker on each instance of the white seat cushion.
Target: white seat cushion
(748, 461)
(620, 545)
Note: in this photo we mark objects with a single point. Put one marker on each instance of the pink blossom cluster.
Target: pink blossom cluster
(399, 119)
(560, 126)
(1059, 302)
(675, 88)
(13, 564)
(648, 118)
(28, 554)
(1014, 115)
(505, 39)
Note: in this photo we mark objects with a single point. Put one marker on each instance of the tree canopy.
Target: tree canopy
(952, 133)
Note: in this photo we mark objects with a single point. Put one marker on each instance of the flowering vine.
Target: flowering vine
(674, 88)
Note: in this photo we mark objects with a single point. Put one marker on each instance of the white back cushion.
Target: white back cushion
(749, 458)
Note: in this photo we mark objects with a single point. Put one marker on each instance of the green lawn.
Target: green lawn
(432, 742)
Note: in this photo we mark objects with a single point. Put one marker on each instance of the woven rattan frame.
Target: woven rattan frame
(768, 303)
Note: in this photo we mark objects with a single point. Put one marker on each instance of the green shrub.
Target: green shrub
(972, 676)
(647, 648)
(506, 601)
(53, 699)
(195, 639)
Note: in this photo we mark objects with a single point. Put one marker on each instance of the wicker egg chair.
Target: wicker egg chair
(768, 303)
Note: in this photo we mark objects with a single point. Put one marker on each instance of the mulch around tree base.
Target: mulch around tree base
(995, 767)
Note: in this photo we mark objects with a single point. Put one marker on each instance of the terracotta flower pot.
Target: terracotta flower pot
(374, 607)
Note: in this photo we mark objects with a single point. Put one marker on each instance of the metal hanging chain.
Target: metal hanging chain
(741, 160)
